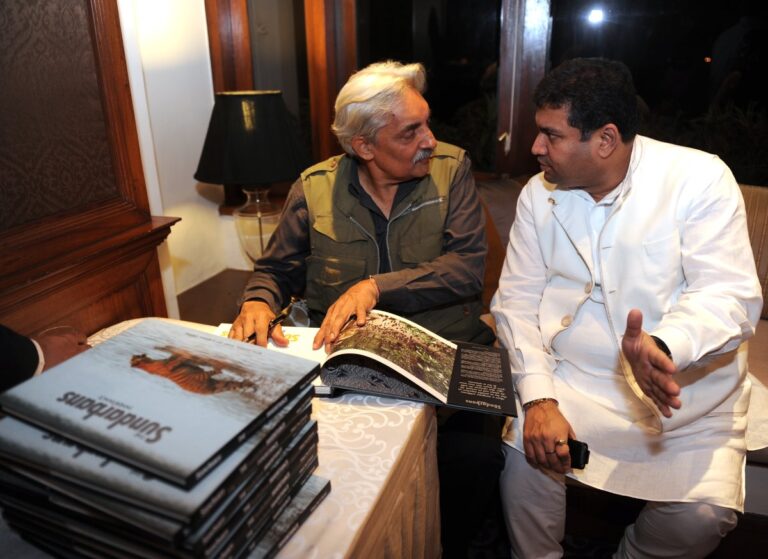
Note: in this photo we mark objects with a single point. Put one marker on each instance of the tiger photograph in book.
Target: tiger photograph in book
(164, 398)
(192, 373)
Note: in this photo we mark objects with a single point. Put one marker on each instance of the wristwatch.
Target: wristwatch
(662, 346)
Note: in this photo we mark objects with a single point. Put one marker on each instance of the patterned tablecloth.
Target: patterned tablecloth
(380, 457)
(379, 454)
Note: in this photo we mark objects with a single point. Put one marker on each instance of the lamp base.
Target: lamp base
(255, 221)
(234, 195)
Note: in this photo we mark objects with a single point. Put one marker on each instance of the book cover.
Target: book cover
(64, 530)
(255, 509)
(300, 340)
(256, 526)
(103, 510)
(261, 507)
(104, 482)
(167, 399)
(392, 356)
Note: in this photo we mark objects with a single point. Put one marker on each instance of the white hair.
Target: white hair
(365, 103)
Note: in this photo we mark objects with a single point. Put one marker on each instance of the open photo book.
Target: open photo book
(392, 356)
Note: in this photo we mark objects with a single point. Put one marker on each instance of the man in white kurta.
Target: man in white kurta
(628, 290)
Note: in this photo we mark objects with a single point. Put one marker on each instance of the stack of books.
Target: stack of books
(162, 442)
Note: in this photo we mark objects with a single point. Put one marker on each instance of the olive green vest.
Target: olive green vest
(343, 239)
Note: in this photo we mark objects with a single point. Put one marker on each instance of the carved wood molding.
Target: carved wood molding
(118, 282)
(27, 250)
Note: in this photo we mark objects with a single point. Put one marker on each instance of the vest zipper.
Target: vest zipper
(412, 208)
(406, 210)
(372, 238)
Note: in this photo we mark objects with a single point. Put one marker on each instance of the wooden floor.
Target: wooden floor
(215, 300)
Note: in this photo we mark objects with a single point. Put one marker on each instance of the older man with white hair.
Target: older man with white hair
(395, 223)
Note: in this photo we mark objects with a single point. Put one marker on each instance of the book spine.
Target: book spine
(247, 539)
(254, 426)
(245, 494)
(253, 507)
(294, 526)
(254, 462)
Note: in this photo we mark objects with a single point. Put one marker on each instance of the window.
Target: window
(458, 43)
(697, 67)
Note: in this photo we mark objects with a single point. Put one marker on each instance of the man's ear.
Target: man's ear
(362, 147)
(610, 138)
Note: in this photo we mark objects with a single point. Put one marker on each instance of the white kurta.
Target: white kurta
(671, 240)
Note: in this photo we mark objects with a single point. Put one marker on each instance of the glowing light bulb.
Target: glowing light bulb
(596, 16)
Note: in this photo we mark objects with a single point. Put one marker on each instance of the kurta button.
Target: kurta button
(588, 288)
(566, 321)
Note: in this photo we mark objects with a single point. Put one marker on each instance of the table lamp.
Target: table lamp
(251, 143)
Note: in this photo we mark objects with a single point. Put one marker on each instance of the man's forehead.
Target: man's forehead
(553, 117)
(410, 113)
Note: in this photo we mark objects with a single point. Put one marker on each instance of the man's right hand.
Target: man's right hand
(545, 437)
(253, 320)
(357, 301)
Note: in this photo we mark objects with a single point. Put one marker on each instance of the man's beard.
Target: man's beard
(421, 155)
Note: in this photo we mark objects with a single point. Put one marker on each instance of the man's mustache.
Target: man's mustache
(421, 155)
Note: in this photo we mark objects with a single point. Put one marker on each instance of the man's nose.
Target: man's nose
(538, 147)
(429, 141)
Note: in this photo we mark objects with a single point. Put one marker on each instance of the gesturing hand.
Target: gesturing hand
(357, 300)
(652, 368)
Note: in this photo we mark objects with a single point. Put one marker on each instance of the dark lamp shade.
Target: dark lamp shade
(252, 140)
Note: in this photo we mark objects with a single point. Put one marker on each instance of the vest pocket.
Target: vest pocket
(329, 277)
(339, 231)
(423, 249)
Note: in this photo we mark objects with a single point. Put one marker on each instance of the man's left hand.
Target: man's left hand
(357, 301)
(652, 368)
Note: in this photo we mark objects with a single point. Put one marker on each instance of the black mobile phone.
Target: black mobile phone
(579, 453)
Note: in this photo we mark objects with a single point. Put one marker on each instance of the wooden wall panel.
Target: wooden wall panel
(43, 129)
(103, 289)
(77, 243)
(229, 43)
(331, 59)
(525, 30)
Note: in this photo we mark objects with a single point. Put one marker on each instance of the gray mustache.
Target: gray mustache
(422, 154)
